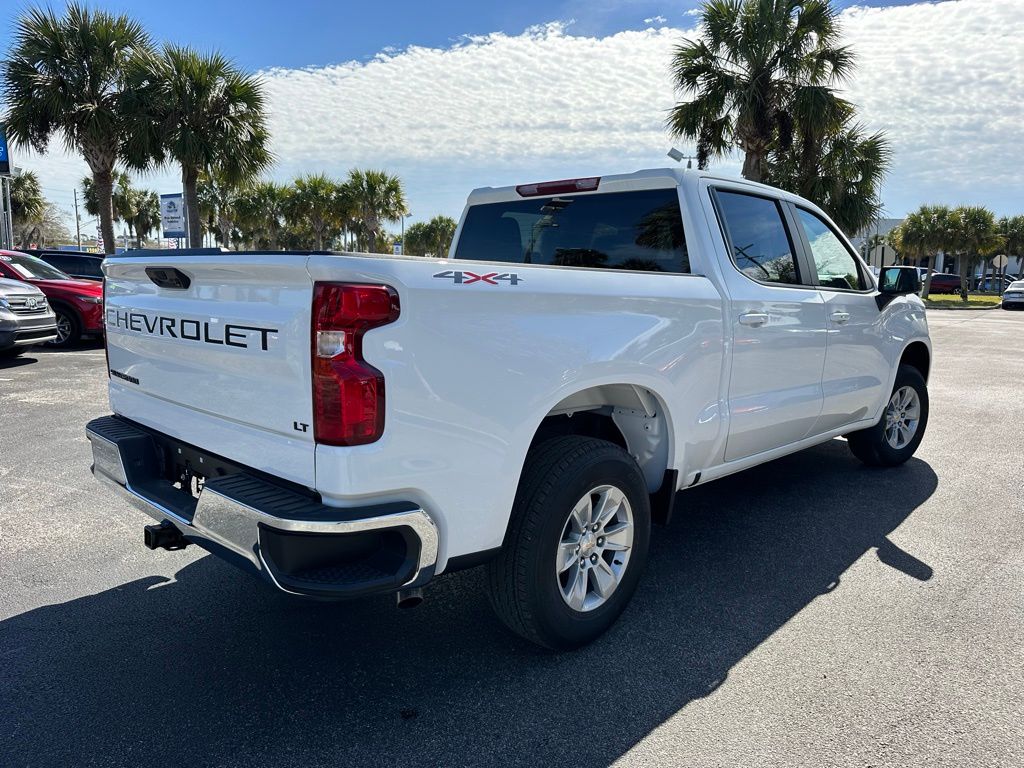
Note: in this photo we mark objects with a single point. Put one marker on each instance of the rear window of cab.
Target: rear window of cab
(639, 231)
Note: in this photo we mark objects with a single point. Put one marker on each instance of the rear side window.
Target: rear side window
(760, 244)
(83, 265)
(640, 231)
(63, 263)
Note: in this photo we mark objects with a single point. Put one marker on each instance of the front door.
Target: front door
(856, 370)
(778, 329)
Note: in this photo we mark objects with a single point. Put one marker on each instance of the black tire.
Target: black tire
(74, 327)
(870, 445)
(522, 583)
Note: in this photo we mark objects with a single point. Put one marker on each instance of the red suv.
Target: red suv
(78, 304)
(944, 283)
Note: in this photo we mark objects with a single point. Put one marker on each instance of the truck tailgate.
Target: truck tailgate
(216, 351)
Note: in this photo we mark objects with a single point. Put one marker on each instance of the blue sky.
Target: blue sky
(303, 33)
(454, 95)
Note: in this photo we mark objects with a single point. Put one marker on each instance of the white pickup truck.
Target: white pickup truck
(344, 424)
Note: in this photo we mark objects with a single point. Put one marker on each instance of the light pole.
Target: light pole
(9, 221)
(404, 214)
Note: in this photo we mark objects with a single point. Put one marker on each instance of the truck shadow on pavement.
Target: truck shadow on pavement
(211, 669)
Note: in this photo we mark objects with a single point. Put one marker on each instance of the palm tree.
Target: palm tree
(123, 199)
(218, 202)
(147, 215)
(27, 201)
(261, 208)
(935, 224)
(377, 196)
(974, 230)
(842, 172)
(1012, 230)
(318, 206)
(202, 112)
(29, 208)
(759, 65)
(65, 75)
(430, 238)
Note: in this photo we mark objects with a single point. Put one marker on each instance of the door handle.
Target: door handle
(753, 319)
(840, 317)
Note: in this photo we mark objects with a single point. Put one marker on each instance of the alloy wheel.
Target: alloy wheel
(902, 417)
(594, 549)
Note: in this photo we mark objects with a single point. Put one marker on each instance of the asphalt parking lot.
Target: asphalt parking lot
(809, 612)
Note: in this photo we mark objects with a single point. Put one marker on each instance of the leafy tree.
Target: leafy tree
(759, 66)
(317, 209)
(66, 75)
(376, 197)
(430, 238)
(202, 112)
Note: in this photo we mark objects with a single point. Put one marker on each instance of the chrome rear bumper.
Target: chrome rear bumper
(297, 543)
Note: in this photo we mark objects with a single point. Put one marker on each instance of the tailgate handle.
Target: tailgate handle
(169, 277)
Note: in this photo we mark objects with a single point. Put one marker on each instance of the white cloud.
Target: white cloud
(659, 19)
(942, 79)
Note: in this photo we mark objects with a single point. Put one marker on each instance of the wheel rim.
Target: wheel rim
(902, 417)
(63, 328)
(594, 549)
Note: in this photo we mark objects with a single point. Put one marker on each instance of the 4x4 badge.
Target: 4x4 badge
(461, 277)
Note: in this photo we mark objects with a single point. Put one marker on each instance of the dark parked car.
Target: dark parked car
(84, 266)
(992, 283)
(943, 282)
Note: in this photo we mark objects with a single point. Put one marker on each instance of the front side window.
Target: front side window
(835, 265)
(640, 231)
(757, 236)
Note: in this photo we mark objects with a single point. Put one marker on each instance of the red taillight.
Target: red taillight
(563, 187)
(348, 393)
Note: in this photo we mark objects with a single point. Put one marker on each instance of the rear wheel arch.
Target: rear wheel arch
(631, 416)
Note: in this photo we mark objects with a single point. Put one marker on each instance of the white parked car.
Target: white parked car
(349, 424)
(1013, 296)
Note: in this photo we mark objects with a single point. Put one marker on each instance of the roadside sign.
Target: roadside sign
(1000, 261)
(397, 249)
(172, 215)
(5, 155)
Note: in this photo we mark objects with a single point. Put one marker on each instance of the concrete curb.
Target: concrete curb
(963, 309)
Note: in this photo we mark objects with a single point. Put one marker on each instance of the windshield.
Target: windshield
(31, 268)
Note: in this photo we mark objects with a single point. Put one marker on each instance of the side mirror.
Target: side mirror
(897, 281)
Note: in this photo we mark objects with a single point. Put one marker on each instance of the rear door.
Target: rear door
(216, 351)
(778, 327)
(856, 364)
